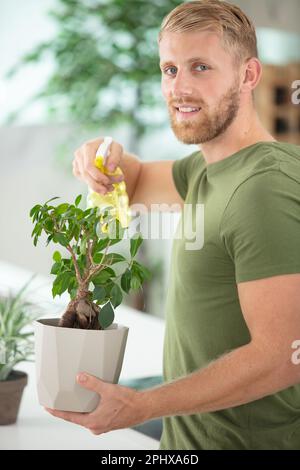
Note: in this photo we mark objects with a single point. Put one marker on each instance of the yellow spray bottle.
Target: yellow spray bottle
(116, 200)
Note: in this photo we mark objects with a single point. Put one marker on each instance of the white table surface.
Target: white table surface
(35, 428)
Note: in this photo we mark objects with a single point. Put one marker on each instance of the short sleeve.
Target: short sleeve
(260, 226)
(181, 172)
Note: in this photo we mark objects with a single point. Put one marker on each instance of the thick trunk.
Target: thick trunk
(81, 312)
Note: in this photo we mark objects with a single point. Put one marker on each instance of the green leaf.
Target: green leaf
(77, 200)
(56, 256)
(73, 286)
(52, 199)
(49, 224)
(83, 246)
(56, 268)
(101, 244)
(34, 209)
(98, 257)
(73, 293)
(113, 258)
(103, 276)
(59, 237)
(116, 295)
(68, 263)
(135, 244)
(99, 293)
(75, 233)
(125, 281)
(61, 209)
(49, 239)
(55, 289)
(36, 216)
(141, 271)
(62, 282)
(106, 315)
(88, 211)
(135, 282)
(66, 278)
(37, 229)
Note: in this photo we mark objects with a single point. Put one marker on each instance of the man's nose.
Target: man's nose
(181, 85)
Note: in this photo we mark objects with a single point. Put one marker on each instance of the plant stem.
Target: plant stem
(96, 268)
(69, 248)
(78, 275)
(89, 261)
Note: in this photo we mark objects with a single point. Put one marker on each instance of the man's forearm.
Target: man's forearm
(241, 376)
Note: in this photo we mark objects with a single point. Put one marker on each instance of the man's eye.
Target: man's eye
(169, 68)
(203, 67)
(173, 69)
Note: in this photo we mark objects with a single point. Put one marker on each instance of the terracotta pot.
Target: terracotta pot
(11, 391)
(61, 353)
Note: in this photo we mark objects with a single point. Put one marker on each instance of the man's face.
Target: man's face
(197, 72)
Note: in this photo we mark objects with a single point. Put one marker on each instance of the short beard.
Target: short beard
(211, 124)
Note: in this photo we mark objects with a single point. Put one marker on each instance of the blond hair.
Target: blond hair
(235, 28)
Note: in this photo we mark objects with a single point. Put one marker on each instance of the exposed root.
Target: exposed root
(81, 313)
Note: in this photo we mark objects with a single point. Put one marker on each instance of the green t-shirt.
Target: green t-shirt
(251, 231)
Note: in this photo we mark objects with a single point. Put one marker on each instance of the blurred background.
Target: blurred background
(75, 70)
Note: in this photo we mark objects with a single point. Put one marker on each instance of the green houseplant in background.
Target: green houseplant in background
(106, 64)
(85, 337)
(16, 345)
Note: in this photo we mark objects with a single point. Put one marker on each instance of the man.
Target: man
(233, 306)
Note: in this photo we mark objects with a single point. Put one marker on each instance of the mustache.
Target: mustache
(185, 102)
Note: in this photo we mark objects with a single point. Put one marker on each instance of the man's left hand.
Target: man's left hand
(119, 407)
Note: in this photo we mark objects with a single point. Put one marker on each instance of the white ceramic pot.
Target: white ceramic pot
(61, 353)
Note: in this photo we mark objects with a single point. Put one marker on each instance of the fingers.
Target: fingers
(114, 157)
(82, 419)
(91, 382)
(93, 173)
(80, 174)
(77, 418)
(85, 170)
(99, 185)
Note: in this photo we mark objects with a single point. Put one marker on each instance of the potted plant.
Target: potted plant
(85, 337)
(16, 345)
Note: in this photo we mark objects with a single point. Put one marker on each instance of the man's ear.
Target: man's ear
(252, 71)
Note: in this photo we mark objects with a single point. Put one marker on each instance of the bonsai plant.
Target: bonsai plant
(16, 345)
(85, 337)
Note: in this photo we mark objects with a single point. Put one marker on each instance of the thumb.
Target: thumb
(114, 156)
(90, 382)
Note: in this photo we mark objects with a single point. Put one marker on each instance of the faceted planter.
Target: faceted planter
(61, 353)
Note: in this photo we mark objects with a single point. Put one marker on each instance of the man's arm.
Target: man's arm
(155, 185)
(271, 308)
(147, 183)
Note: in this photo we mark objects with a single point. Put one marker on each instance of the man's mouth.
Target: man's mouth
(186, 111)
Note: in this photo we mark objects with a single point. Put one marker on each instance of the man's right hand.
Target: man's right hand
(147, 183)
(85, 170)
